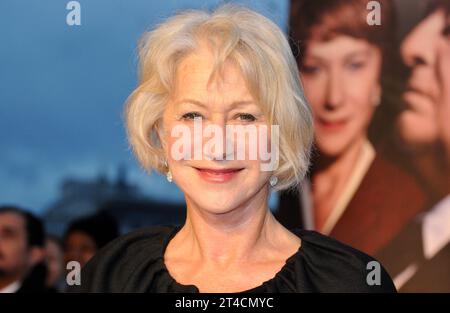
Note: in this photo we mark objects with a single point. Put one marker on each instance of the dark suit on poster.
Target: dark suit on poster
(417, 261)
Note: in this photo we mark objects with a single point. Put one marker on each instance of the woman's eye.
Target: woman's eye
(310, 69)
(247, 117)
(191, 116)
(354, 66)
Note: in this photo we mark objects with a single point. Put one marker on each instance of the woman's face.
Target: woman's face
(418, 122)
(214, 185)
(341, 82)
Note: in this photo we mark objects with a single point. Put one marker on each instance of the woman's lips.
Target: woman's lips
(332, 125)
(218, 175)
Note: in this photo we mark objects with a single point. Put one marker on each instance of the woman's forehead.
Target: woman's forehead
(197, 68)
(194, 80)
(342, 46)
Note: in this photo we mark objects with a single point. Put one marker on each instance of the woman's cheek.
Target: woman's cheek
(315, 88)
(362, 87)
(180, 141)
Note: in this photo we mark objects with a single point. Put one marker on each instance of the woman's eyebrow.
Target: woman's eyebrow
(201, 104)
(191, 101)
(360, 53)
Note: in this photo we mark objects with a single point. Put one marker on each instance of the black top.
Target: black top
(135, 263)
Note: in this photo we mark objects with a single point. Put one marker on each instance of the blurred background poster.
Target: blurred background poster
(377, 77)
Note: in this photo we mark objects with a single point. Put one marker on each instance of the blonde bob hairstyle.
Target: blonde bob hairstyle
(262, 53)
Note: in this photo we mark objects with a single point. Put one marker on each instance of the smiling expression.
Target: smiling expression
(341, 82)
(214, 184)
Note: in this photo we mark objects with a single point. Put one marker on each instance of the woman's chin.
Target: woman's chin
(331, 150)
(218, 203)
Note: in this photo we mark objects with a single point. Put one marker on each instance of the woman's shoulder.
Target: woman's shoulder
(137, 253)
(135, 263)
(331, 266)
(148, 240)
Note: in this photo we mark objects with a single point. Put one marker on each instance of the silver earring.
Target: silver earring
(169, 176)
(273, 181)
(169, 173)
(376, 99)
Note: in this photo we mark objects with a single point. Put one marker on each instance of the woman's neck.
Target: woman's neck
(330, 178)
(236, 236)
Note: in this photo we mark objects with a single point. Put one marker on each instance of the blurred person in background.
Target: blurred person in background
(55, 261)
(419, 258)
(22, 252)
(85, 236)
(354, 193)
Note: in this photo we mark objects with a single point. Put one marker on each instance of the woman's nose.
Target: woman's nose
(221, 145)
(215, 156)
(335, 96)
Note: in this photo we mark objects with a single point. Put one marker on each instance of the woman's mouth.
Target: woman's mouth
(218, 175)
(332, 125)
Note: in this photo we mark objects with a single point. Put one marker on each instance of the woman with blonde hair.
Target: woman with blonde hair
(209, 72)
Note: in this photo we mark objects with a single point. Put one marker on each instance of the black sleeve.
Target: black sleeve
(127, 264)
(335, 267)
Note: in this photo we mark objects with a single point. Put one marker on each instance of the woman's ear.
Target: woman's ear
(161, 134)
(376, 95)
